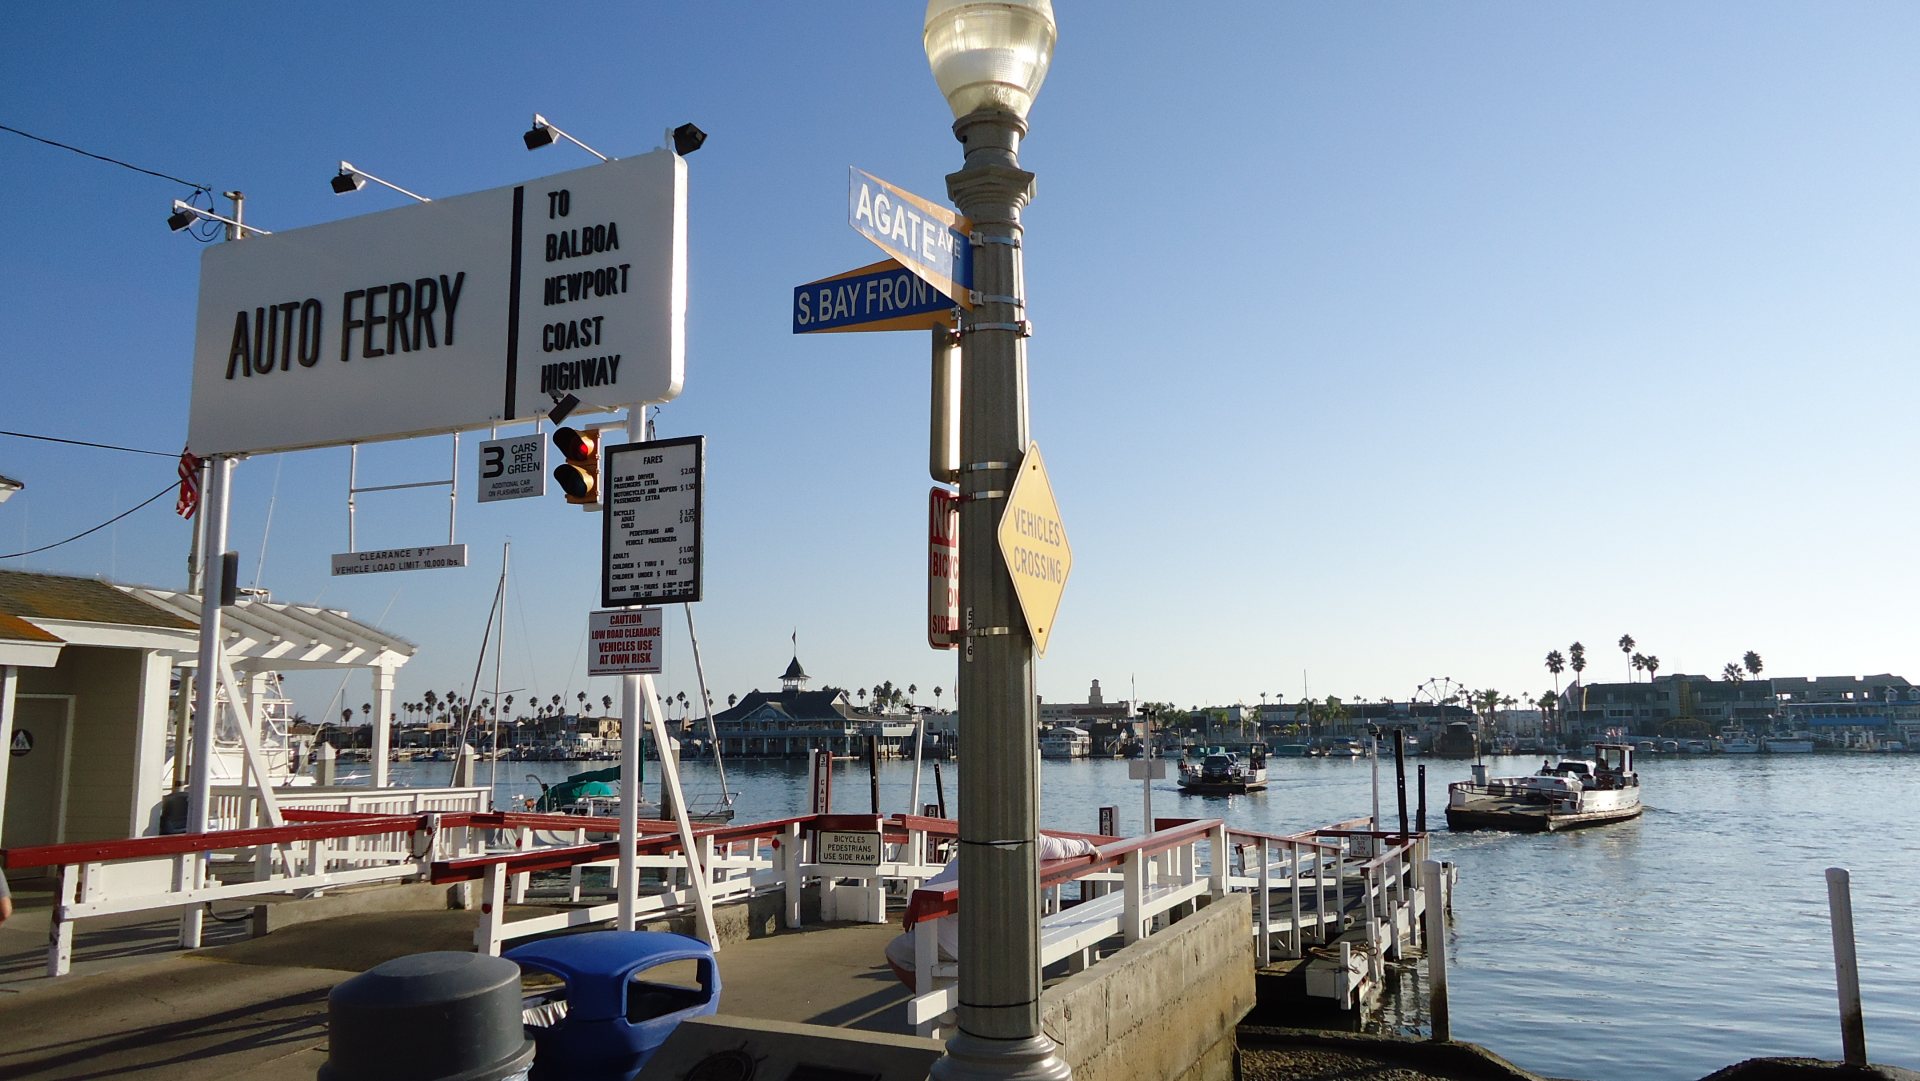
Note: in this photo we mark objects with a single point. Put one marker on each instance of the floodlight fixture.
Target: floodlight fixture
(687, 139)
(350, 178)
(543, 134)
(184, 213)
(562, 408)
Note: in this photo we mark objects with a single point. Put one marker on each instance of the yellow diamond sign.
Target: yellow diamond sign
(1034, 544)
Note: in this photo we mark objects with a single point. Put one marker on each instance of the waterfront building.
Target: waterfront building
(793, 721)
(1838, 710)
(1107, 724)
(87, 671)
(1851, 711)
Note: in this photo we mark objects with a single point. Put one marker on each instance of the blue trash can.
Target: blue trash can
(609, 1019)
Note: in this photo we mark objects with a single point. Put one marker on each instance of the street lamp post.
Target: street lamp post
(989, 59)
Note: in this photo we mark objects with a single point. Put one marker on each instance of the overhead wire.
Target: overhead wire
(46, 547)
(105, 158)
(86, 443)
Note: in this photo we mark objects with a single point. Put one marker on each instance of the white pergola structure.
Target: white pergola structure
(263, 637)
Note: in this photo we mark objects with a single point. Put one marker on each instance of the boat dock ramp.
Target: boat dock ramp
(1151, 943)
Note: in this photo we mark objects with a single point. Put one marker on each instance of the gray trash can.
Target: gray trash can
(439, 1016)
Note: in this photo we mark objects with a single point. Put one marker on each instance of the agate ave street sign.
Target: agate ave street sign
(1034, 544)
(882, 296)
(927, 238)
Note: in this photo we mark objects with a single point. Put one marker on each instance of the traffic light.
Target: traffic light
(579, 475)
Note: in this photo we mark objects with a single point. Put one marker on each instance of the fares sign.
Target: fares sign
(449, 315)
(927, 238)
(651, 547)
(883, 296)
(1034, 544)
(624, 642)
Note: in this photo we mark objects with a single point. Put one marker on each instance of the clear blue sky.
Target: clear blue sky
(1373, 342)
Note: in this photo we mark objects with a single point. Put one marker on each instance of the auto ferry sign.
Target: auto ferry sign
(444, 316)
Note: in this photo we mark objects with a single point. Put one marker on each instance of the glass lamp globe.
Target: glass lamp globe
(989, 54)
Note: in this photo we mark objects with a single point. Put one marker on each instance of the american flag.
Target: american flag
(189, 501)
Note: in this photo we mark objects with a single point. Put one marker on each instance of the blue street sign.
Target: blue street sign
(883, 296)
(927, 238)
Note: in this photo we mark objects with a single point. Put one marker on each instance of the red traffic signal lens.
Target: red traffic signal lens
(576, 445)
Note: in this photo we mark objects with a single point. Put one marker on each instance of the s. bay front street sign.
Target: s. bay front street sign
(445, 316)
(880, 296)
(927, 238)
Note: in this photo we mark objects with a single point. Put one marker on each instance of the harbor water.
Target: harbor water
(1663, 948)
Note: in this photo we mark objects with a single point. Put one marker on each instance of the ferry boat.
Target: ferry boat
(1223, 772)
(1577, 792)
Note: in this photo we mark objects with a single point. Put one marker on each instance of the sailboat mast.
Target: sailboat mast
(499, 642)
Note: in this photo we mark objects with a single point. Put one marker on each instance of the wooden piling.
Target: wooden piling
(1420, 824)
(1432, 883)
(1846, 967)
(1400, 773)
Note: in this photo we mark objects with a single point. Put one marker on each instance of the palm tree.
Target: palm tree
(1733, 673)
(936, 698)
(1577, 660)
(731, 699)
(346, 716)
(366, 711)
(1556, 664)
(912, 689)
(1626, 646)
(1639, 663)
(1752, 662)
(606, 704)
(582, 697)
(1652, 664)
(430, 699)
(863, 697)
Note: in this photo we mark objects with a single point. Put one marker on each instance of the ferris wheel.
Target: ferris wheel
(1441, 691)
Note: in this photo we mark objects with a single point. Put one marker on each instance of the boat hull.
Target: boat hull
(1221, 788)
(1520, 819)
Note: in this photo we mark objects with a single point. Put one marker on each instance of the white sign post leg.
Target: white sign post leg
(670, 774)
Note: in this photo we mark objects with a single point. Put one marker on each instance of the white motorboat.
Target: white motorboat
(1066, 741)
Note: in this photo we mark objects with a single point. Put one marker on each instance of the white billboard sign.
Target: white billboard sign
(513, 468)
(624, 642)
(651, 536)
(444, 316)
